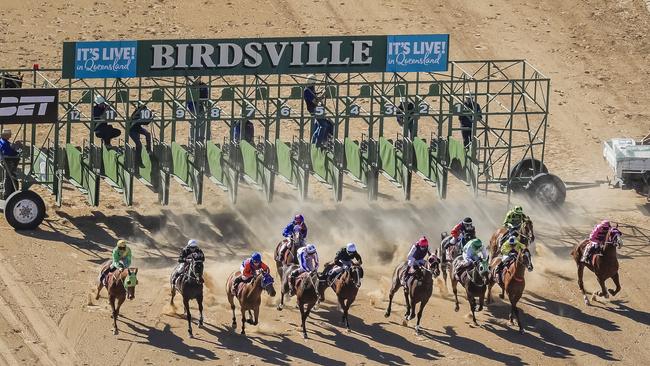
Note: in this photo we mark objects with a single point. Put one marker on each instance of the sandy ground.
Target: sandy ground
(597, 55)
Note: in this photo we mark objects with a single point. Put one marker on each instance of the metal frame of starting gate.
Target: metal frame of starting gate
(193, 121)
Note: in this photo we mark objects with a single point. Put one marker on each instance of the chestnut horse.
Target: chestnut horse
(120, 285)
(250, 297)
(418, 289)
(526, 235)
(346, 286)
(603, 265)
(513, 282)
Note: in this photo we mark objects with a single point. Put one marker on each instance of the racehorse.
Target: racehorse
(290, 255)
(418, 289)
(475, 281)
(249, 296)
(604, 265)
(190, 285)
(346, 286)
(120, 285)
(308, 286)
(513, 282)
(447, 255)
(526, 235)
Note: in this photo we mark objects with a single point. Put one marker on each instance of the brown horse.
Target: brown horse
(120, 285)
(249, 296)
(289, 256)
(308, 286)
(346, 286)
(474, 280)
(604, 265)
(418, 289)
(526, 235)
(190, 285)
(513, 282)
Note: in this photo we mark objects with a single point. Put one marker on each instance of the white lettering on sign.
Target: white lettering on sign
(26, 106)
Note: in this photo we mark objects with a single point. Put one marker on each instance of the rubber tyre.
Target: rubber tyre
(24, 210)
(547, 189)
(526, 168)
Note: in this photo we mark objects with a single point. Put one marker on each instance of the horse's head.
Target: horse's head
(615, 237)
(296, 236)
(356, 273)
(130, 281)
(526, 258)
(267, 284)
(196, 269)
(481, 272)
(527, 233)
(434, 264)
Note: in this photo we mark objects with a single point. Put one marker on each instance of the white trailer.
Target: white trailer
(630, 161)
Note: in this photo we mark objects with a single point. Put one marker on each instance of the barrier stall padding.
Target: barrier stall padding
(215, 168)
(43, 168)
(325, 170)
(250, 162)
(81, 175)
(390, 164)
(115, 173)
(285, 164)
(457, 151)
(146, 171)
(222, 170)
(424, 160)
(180, 163)
(353, 159)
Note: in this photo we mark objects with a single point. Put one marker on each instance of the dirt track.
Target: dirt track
(596, 54)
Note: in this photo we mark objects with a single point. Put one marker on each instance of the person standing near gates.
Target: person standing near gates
(10, 154)
(322, 127)
(141, 117)
(248, 134)
(103, 129)
(470, 114)
(197, 97)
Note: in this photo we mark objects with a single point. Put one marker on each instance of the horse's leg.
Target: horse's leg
(444, 274)
(99, 288)
(186, 305)
(481, 299)
(341, 300)
(454, 284)
(412, 311)
(408, 304)
(581, 285)
(256, 315)
(346, 308)
(472, 305)
(489, 292)
(304, 319)
(603, 288)
(231, 300)
(394, 287)
(173, 292)
(199, 300)
(243, 321)
(423, 303)
(111, 300)
(282, 295)
(251, 317)
(617, 283)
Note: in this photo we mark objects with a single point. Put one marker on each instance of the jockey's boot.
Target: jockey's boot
(585, 255)
(292, 284)
(236, 283)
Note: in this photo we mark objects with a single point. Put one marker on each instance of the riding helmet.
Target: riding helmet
(476, 243)
(467, 222)
(605, 223)
(351, 248)
(121, 243)
(192, 244)
(311, 248)
(519, 209)
(423, 242)
(99, 99)
(256, 257)
(298, 219)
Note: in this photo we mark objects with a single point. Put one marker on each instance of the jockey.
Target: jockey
(307, 262)
(191, 250)
(298, 221)
(342, 261)
(509, 249)
(596, 240)
(121, 257)
(288, 241)
(416, 257)
(472, 253)
(514, 218)
(248, 269)
(463, 231)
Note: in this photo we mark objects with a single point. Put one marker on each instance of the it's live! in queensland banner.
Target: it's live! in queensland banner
(256, 56)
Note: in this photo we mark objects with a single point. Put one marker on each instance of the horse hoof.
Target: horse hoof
(201, 324)
(280, 307)
(611, 292)
(242, 333)
(191, 335)
(522, 331)
(115, 332)
(304, 336)
(480, 308)
(386, 314)
(586, 300)
(348, 330)
(404, 322)
(456, 308)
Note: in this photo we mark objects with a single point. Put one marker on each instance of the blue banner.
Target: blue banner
(115, 59)
(417, 53)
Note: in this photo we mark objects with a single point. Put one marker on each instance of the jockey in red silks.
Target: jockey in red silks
(248, 269)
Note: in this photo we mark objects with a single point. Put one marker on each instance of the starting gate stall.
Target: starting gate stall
(234, 111)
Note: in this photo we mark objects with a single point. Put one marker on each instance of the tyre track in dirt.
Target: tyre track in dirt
(57, 350)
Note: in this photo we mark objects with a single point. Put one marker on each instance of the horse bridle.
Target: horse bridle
(191, 272)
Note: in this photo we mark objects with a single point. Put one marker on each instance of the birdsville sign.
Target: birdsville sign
(120, 59)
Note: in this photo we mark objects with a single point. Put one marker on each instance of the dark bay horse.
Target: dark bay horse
(604, 265)
(346, 286)
(474, 280)
(290, 254)
(447, 255)
(249, 296)
(190, 285)
(308, 287)
(513, 282)
(120, 285)
(418, 289)
(526, 235)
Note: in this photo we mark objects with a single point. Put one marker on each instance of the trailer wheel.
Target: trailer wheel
(24, 210)
(523, 171)
(547, 189)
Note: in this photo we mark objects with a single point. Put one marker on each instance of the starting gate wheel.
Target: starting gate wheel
(24, 210)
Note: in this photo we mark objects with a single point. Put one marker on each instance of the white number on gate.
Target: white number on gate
(145, 114)
(75, 115)
(249, 111)
(389, 109)
(215, 112)
(110, 115)
(285, 111)
(354, 110)
(424, 108)
(179, 113)
(319, 111)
